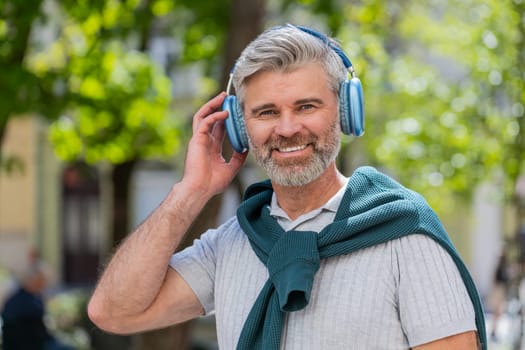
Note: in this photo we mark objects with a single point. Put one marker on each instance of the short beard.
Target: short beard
(299, 172)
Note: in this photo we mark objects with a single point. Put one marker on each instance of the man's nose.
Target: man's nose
(288, 124)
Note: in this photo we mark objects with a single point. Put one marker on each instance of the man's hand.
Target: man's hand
(206, 171)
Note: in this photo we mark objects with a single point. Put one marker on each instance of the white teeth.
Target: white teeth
(292, 149)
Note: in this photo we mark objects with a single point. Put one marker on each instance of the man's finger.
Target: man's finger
(207, 109)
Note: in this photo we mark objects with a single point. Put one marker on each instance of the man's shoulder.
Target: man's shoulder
(368, 176)
(226, 233)
(231, 226)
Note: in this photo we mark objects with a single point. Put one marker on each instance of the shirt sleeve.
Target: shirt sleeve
(433, 300)
(197, 265)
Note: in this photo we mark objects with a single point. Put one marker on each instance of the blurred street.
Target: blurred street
(507, 332)
(506, 335)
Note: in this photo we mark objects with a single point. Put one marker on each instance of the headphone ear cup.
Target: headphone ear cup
(351, 107)
(235, 128)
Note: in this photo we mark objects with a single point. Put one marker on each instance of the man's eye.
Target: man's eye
(267, 113)
(306, 107)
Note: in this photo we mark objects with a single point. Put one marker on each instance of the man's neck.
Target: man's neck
(296, 201)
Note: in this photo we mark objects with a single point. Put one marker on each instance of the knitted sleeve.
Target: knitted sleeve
(433, 300)
(197, 265)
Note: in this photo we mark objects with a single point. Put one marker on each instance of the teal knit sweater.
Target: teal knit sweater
(374, 210)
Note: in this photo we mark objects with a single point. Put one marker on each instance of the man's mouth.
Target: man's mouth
(291, 149)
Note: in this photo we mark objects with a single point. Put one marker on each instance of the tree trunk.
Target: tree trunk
(246, 22)
(22, 18)
(120, 179)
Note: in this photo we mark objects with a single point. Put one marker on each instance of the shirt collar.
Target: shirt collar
(331, 205)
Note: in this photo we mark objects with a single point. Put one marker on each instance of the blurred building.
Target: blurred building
(64, 210)
(48, 207)
(28, 197)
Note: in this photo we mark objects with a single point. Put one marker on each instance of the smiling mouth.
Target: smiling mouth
(291, 149)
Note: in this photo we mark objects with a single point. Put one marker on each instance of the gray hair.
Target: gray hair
(285, 48)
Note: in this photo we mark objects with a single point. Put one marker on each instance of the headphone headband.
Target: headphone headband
(324, 38)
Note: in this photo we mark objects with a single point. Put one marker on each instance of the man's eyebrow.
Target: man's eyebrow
(308, 100)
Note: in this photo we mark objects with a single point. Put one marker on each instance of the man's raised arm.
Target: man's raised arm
(137, 290)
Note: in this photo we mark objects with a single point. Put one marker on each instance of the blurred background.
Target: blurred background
(96, 100)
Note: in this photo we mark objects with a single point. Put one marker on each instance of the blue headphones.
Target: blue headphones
(351, 107)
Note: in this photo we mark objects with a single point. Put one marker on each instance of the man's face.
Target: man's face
(292, 123)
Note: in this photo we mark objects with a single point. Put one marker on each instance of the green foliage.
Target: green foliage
(440, 81)
(113, 101)
(67, 318)
(444, 81)
(205, 30)
(83, 64)
(117, 99)
(329, 10)
(18, 85)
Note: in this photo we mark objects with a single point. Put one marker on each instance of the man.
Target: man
(313, 259)
(23, 325)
